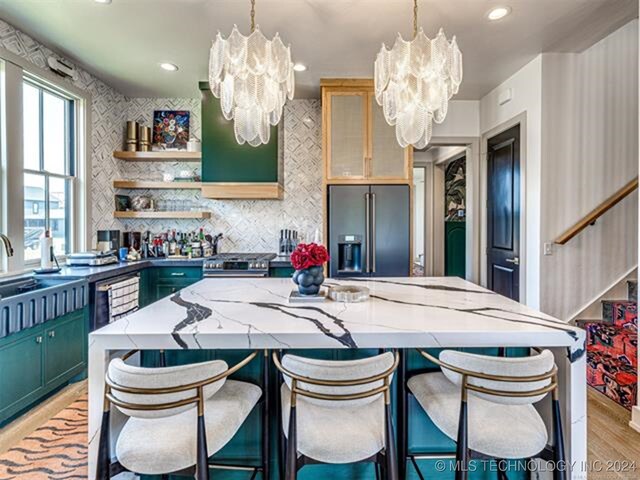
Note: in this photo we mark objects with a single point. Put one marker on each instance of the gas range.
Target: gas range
(238, 265)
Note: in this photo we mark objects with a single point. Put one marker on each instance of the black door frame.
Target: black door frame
(521, 120)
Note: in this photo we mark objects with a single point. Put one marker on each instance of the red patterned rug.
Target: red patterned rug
(55, 451)
(612, 355)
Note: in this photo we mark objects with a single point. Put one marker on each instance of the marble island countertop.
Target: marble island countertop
(241, 313)
(401, 312)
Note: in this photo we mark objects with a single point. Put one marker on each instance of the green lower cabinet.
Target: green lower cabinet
(281, 272)
(38, 360)
(65, 349)
(161, 282)
(21, 376)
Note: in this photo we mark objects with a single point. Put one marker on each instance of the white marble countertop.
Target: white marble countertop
(238, 313)
(402, 312)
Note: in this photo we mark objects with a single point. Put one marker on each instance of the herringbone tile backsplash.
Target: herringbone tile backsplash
(248, 225)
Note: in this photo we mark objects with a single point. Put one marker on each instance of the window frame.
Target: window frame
(69, 161)
(13, 69)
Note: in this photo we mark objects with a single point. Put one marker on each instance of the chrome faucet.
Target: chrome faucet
(7, 244)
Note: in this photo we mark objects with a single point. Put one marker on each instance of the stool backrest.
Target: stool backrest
(512, 367)
(332, 370)
(156, 379)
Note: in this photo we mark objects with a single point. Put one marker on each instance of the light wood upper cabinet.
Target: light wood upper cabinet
(358, 144)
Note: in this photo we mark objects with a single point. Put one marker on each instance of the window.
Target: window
(49, 167)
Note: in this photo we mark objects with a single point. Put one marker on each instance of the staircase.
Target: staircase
(612, 348)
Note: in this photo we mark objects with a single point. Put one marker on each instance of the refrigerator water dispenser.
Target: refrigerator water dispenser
(349, 254)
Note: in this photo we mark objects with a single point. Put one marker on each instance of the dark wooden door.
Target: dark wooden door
(503, 213)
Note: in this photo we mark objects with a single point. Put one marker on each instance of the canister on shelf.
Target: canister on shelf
(132, 136)
(145, 139)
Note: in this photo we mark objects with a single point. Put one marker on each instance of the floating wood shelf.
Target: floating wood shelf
(158, 156)
(141, 184)
(176, 215)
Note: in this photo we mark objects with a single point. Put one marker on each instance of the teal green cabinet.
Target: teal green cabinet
(36, 361)
(21, 379)
(281, 272)
(164, 281)
(64, 347)
(231, 170)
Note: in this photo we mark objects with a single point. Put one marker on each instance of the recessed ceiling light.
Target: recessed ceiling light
(169, 67)
(299, 67)
(106, 2)
(498, 13)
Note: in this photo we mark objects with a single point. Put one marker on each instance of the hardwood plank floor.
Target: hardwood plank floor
(610, 439)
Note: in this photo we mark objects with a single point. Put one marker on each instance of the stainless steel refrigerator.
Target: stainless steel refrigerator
(369, 230)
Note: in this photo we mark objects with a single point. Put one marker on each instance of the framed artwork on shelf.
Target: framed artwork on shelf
(123, 203)
(170, 129)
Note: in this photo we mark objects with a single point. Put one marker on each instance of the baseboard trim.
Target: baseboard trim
(635, 418)
(574, 315)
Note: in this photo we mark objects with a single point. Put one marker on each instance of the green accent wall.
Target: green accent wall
(223, 159)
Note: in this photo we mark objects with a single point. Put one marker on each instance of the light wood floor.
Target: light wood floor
(610, 438)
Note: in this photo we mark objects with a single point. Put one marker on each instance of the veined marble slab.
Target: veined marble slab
(402, 312)
(239, 313)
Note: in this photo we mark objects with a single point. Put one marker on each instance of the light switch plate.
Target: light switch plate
(548, 248)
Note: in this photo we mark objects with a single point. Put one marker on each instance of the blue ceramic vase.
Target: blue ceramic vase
(309, 280)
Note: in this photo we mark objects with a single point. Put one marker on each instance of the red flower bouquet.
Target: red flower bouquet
(308, 255)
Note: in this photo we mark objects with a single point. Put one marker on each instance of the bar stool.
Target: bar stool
(337, 412)
(177, 417)
(485, 404)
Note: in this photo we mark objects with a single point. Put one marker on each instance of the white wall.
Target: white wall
(526, 92)
(589, 151)
(463, 120)
(580, 144)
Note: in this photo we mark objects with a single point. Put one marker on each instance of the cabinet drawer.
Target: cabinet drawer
(178, 273)
(21, 378)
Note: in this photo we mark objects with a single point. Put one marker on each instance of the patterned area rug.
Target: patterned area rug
(612, 355)
(55, 451)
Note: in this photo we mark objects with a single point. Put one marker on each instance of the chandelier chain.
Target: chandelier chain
(415, 18)
(253, 15)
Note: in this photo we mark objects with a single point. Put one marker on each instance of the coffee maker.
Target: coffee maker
(108, 240)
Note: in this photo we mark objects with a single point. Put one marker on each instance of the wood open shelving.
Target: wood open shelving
(182, 156)
(172, 215)
(141, 184)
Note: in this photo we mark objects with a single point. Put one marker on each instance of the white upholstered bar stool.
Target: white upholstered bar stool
(485, 404)
(337, 412)
(177, 416)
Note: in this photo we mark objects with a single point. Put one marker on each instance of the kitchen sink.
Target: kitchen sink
(18, 286)
(27, 301)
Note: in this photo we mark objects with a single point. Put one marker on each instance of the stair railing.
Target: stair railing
(593, 215)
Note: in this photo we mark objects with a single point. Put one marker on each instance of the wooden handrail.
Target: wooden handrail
(597, 212)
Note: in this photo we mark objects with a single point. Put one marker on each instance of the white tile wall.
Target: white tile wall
(248, 225)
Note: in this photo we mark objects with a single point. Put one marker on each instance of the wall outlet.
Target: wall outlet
(548, 248)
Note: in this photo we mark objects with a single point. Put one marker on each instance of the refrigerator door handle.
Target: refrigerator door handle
(373, 233)
(367, 229)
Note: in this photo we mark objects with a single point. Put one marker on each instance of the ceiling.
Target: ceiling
(123, 43)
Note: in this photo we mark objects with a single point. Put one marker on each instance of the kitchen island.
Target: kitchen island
(405, 313)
